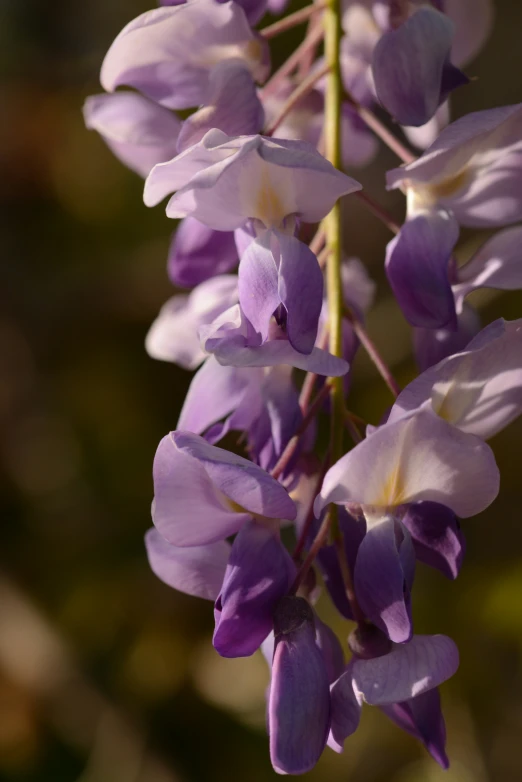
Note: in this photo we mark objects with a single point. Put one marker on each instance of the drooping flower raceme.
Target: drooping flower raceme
(250, 172)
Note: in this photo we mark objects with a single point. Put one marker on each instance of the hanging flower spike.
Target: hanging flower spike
(159, 54)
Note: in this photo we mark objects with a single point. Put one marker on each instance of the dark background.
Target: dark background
(106, 675)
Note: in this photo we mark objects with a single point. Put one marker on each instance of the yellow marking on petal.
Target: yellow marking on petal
(269, 207)
(393, 492)
(451, 399)
(235, 506)
(426, 195)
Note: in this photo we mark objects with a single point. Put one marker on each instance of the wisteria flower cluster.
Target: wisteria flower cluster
(255, 171)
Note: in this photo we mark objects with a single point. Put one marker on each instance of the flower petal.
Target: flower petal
(232, 105)
(258, 284)
(197, 571)
(217, 391)
(418, 457)
(437, 538)
(407, 671)
(479, 390)
(243, 482)
(346, 710)
(260, 572)
(159, 55)
(417, 266)
(411, 67)
(300, 291)
(197, 253)
(498, 264)
(433, 345)
(138, 131)
(187, 509)
(281, 352)
(174, 334)
(382, 579)
(422, 718)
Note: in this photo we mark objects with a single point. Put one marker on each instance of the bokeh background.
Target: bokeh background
(107, 675)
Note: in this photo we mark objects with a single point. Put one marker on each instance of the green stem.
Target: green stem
(333, 99)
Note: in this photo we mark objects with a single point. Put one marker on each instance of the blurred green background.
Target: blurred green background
(107, 675)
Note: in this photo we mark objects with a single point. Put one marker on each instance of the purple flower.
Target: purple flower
(232, 340)
(416, 458)
(469, 176)
(400, 682)
(479, 390)
(383, 577)
(223, 182)
(279, 277)
(174, 334)
(138, 131)
(217, 491)
(159, 55)
(299, 701)
(472, 170)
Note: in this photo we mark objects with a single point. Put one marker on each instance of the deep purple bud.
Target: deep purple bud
(299, 706)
